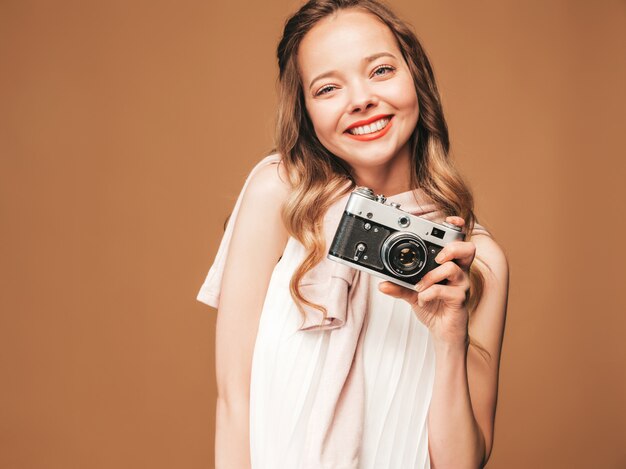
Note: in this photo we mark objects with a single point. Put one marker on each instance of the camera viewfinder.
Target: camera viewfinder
(437, 232)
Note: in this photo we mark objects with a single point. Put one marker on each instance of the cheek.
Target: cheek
(404, 96)
(324, 118)
(409, 105)
(413, 103)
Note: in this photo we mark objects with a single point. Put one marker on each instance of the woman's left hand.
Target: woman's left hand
(439, 307)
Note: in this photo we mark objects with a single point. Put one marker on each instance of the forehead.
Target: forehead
(344, 39)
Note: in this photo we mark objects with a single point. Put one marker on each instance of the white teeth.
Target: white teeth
(373, 127)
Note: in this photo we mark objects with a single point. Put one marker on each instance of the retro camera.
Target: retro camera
(386, 241)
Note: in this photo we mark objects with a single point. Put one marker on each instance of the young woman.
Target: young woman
(320, 365)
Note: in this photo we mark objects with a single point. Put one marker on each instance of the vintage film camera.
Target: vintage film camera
(388, 242)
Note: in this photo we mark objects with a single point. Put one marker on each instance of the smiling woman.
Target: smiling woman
(370, 83)
(320, 365)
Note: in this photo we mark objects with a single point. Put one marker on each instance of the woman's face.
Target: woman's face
(358, 91)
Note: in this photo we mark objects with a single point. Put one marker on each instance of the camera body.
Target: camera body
(388, 242)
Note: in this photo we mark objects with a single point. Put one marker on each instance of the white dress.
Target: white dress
(399, 366)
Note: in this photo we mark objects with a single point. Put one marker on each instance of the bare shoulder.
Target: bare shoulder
(259, 219)
(269, 184)
(491, 258)
(488, 320)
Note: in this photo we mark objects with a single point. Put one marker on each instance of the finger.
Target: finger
(462, 252)
(453, 296)
(449, 271)
(398, 291)
(458, 221)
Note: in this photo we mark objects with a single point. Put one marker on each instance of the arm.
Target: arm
(259, 238)
(463, 404)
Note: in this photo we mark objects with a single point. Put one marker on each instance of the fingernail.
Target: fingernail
(440, 257)
(419, 287)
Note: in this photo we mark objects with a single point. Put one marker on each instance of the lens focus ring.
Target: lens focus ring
(404, 254)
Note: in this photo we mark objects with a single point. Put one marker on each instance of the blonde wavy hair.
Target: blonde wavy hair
(318, 178)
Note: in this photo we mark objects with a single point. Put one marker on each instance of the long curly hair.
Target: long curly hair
(318, 178)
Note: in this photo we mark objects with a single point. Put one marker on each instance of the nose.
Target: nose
(361, 98)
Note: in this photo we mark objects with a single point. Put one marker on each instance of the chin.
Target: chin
(374, 155)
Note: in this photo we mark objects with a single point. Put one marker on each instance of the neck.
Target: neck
(393, 177)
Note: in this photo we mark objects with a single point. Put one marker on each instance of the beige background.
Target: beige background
(126, 131)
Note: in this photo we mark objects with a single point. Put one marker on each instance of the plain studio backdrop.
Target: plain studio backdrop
(126, 131)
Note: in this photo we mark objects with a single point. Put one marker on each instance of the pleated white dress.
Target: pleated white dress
(399, 362)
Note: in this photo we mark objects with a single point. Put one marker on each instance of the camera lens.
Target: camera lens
(404, 254)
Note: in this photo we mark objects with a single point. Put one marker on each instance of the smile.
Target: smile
(371, 128)
(371, 131)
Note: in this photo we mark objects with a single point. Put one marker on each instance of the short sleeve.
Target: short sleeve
(210, 290)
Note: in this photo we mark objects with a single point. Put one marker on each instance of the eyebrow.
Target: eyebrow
(368, 59)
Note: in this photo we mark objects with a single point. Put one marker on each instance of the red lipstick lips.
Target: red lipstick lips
(368, 121)
(373, 135)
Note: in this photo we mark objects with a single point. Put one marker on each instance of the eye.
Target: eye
(387, 68)
(324, 90)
